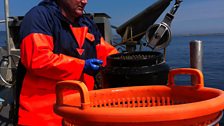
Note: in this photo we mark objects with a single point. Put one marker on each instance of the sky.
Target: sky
(192, 17)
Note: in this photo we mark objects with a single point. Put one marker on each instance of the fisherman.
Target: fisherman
(58, 43)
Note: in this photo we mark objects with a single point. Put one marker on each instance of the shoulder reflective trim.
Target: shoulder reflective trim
(90, 37)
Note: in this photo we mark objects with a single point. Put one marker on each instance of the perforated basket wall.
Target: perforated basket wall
(142, 105)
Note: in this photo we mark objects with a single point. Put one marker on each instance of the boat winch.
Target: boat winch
(158, 36)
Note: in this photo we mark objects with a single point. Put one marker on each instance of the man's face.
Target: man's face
(74, 8)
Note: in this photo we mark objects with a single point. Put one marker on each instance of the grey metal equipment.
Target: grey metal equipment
(196, 54)
(158, 36)
(196, 57)
(134, 29)
(7, 24)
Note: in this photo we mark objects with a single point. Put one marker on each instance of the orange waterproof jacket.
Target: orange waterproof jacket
(54, 49)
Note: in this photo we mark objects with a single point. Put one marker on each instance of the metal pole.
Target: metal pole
(7, 25)
(196, 56)
(8, 71)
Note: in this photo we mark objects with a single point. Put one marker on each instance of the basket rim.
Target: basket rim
(157, 113)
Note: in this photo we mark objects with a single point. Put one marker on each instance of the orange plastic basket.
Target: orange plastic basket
(168, 105)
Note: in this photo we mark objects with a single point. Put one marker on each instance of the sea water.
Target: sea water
(178, 55)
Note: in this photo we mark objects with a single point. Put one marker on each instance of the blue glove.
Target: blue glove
(92, 66)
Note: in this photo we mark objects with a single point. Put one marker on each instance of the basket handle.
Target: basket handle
(75, 85)
(191, 71)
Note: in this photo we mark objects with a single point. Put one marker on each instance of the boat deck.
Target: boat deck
(6, 94)
(4, 117)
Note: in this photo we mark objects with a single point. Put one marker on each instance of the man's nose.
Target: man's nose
(85, 1)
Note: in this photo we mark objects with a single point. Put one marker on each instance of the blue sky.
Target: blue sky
(194, 16)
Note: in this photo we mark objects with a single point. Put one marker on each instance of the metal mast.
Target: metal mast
(7, 25)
